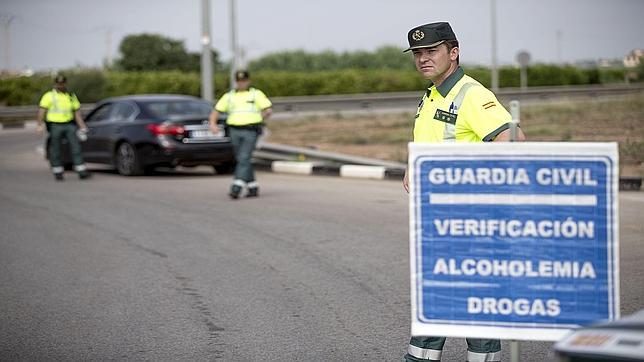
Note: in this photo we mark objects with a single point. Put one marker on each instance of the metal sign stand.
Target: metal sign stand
(515, 110)
(515, 351)
(515, 348)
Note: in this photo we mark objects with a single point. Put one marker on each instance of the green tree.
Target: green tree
(150, 52)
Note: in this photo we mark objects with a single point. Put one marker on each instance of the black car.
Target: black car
(138, 133)
(618, 340)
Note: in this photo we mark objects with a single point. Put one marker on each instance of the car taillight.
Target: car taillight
(166, 129)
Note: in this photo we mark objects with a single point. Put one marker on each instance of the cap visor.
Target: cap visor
(424, 46)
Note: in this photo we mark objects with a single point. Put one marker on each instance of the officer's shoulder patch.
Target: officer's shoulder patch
(488, 105)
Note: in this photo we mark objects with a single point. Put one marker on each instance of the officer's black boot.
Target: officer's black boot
(84, 175)
(58, 176)
(235, 190)
(253, 192)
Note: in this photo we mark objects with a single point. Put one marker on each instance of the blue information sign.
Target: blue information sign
(513, 241)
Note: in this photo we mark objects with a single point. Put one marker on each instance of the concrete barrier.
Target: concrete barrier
(300, 168)
(361, 171)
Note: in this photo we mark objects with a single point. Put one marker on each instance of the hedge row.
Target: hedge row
(93, 85)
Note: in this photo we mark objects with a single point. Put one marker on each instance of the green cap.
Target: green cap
(429, 35)
(242, 75)
(60, 79)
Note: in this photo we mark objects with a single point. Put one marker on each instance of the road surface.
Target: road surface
(166, 267)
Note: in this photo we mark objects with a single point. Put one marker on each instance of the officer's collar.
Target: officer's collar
(242, 90)
(59, 91)
(450, 81)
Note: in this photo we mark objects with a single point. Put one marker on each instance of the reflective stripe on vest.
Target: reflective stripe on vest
(59, 114)
(251, 110)
(424, 353)
(483, 357)
(449, 132)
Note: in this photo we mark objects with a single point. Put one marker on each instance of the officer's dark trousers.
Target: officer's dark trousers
(430, 349)
(58, 131)
(244, 141)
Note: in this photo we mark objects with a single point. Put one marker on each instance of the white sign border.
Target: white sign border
(418, 152)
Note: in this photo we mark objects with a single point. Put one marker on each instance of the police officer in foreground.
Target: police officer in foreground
(61, 110)
(247, 109)
(455, 108)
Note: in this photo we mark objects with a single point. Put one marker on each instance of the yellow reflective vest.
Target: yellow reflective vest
(459, 110)
(60, 106)
(243, 107)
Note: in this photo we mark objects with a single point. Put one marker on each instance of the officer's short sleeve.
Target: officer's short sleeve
(485, 115)
(45, 101)
(262, 100)
(75, 102)
(222, 104)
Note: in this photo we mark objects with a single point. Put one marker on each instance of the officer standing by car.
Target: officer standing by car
(61, 110)
(455, 108)
(247, 109)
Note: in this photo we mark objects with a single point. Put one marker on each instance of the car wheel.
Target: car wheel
(127, 160)
(224, 168)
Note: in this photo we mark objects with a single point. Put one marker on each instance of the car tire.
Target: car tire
(127, 160)
(224, 168)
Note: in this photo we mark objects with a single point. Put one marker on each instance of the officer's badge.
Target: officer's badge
(418, 35)
(446, 117)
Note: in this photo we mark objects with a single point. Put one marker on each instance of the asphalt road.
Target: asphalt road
(167, 268)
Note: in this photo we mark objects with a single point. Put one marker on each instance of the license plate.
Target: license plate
(205, 133)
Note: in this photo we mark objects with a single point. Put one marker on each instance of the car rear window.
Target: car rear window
(169, 108)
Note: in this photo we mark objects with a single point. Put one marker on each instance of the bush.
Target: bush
(348, 81)
(93, 85)
(20, 91)
(89, 85)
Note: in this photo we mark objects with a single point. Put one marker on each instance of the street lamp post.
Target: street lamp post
(207, 88)
(234, 63)
(495, 70)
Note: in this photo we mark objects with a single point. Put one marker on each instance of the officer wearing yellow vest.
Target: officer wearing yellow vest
(455, 108)
(61, 110)
(247, 109)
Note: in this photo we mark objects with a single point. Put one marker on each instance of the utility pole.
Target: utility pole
(495, 70)
(234, 63)
(108, 48)
(7, 20)
(559, 36)
(207, 88)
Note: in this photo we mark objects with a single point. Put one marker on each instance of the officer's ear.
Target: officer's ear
(453, 53)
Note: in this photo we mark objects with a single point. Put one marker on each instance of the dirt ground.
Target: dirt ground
(385, 136)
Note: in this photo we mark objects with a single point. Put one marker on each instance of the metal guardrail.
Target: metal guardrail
(403, 101)
(409, 100)
(330, 162)
(272, 151)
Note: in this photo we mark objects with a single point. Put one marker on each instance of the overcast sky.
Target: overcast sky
(53, 34)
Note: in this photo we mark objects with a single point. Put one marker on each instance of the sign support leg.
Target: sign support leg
(515, 351)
